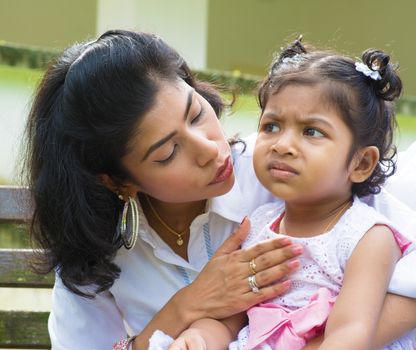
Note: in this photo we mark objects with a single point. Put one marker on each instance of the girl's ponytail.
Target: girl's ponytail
(389, 87)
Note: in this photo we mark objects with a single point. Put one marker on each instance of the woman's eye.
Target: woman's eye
(198, 117)
(169, 158)
(312, 132)
(271, 127)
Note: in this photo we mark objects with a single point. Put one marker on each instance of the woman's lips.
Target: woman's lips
(224, 172)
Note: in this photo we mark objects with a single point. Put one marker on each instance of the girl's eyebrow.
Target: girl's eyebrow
(316, 120)
(165, 139)
(313, 119)
(272, 116)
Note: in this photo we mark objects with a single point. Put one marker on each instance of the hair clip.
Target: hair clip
(295, 59)
(292, 62)
(367, 71)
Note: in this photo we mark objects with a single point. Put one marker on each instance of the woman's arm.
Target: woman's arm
(221, 289)
(80, 323)
(353, 321)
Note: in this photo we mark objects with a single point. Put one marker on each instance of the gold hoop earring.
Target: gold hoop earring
(129, 223)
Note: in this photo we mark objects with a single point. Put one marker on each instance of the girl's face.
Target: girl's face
(303, 145)
(180, 153)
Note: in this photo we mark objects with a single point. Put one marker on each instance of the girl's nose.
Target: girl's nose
(285, 144)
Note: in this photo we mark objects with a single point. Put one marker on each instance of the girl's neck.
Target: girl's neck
(312, 219)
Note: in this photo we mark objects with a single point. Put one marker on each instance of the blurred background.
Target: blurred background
(230, 41)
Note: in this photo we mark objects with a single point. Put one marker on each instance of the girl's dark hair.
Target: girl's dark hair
(365, 104)
(84, 114)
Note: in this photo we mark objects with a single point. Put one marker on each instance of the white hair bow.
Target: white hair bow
(367, 71)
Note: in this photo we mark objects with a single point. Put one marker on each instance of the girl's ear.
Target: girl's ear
(122, 190)
(363, 164)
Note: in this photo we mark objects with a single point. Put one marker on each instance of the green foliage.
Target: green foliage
(32, 57)
(38, 58)
(407, 105)
(230, 81)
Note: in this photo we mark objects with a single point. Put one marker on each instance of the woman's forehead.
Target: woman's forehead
(172, 103)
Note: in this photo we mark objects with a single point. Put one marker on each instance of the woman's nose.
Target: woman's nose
(205, 149)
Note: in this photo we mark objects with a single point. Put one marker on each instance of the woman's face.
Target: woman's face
(179, 152)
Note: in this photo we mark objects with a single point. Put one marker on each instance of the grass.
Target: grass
(19, 75)
(407, 123)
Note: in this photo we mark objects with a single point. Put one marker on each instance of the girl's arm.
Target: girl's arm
(398, 317)
(353, 321)
(221, 289)
(210, 334)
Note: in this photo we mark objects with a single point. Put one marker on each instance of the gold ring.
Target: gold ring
(253, 284)
(253, 265)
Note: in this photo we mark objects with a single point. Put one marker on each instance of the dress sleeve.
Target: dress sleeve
(81, 323)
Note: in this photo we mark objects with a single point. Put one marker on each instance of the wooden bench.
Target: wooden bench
(20, 329)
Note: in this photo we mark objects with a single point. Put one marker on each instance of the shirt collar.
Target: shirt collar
(230, 205)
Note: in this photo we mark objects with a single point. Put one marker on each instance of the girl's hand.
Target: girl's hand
(189, 340)
(222, 288)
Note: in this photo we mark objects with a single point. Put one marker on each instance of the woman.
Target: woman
(125, 149)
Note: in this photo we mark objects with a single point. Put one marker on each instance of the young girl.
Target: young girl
(324, 143)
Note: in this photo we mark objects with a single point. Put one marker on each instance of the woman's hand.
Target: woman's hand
(222, 288)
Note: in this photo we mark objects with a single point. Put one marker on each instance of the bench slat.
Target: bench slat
(15, 204)
(24, 330)
(15, 272)
(20, 329)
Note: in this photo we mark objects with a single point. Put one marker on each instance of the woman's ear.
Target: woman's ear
(122, 190)
(363, 163)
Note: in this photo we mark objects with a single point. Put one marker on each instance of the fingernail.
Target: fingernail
(297, 249)
(287, 283)
(244, 219)
(284, 241)
(294, 264)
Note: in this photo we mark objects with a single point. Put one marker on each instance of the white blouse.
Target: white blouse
(151, 272)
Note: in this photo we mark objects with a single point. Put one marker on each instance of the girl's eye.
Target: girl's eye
(312, 132)
(271, 127)
(171, 156)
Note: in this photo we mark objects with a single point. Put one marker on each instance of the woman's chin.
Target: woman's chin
(225, 186)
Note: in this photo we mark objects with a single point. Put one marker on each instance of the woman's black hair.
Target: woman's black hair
(365, 101)
(84, 114)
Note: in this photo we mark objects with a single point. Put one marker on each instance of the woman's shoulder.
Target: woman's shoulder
(402, 184)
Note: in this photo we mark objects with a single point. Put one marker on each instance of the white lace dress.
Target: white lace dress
(314, 286)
